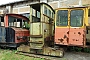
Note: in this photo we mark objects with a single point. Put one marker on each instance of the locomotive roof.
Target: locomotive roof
(37, 5)
(71, 7)
(16, 15)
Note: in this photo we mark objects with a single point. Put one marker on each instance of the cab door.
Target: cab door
(76, 32)
(62, 27)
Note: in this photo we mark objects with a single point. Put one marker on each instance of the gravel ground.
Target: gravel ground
(77, 56)
(74, 56)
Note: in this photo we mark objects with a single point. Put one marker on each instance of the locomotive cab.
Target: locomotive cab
(13, 30)
(42, 31)
(72, 26)
(69, 26)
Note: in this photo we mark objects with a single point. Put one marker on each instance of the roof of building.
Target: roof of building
(11, 3)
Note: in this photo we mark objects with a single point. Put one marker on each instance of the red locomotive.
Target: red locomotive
(13, 30)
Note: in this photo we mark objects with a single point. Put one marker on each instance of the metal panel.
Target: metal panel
(46, 30)
(36, 43)
(10, 35)
(2, 34)
(61, 36)
(76, 36)
(35, 29)
(88, 36)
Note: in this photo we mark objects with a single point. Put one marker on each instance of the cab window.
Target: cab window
(62, 18)
(76, 18)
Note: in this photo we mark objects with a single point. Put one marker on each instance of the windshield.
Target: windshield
(62, 18)
(17, 22)
(76, 19)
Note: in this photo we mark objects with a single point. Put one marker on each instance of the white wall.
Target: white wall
(43, 1)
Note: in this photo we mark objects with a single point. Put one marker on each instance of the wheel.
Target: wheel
(61, 53)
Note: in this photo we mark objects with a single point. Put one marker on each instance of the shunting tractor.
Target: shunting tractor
(13, 30)
(41, 31)
(72, 26)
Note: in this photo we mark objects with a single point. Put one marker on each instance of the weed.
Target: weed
(78, 49)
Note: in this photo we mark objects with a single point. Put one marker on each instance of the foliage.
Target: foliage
(10, 55)
(72, 48)
(27, 25)
(87, 50)
(78, 49)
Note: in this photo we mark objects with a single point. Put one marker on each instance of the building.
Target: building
(21, 7)
(66, 3)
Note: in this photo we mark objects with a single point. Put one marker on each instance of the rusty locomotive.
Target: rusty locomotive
(72, 27)
(42, 31)
(13, 30)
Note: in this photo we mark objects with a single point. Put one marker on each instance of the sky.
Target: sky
(7, 1)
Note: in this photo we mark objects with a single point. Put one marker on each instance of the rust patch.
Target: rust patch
(73, 39)
(60, 37)
(67, 40)
(68, 32)
(79, 33)
(65, 36)
(61, 40)
(77, 40)
(75, 36)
